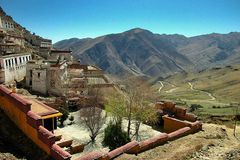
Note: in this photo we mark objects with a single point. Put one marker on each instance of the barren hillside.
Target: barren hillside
(215, 142)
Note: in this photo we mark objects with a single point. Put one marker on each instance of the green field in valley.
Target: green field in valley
(216, 90)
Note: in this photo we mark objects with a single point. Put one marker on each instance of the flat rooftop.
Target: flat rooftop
(43, 110)
(14, 55)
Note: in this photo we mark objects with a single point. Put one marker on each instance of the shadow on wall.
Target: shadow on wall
(11, 137)
(19, 111)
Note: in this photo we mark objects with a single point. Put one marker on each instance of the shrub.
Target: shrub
(195, 107)
(71, 118)
(65, 113)
(114, 136)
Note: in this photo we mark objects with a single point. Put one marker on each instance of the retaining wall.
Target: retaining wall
(19, 111)
(177, 124)
(135, 147)
(177, 111)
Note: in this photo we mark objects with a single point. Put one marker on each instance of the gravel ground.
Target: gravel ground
(79, 133)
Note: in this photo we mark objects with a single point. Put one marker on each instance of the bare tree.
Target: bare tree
(92, 114)
(93, 118)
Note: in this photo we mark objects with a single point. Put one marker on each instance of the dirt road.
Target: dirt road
(160, 88)
(212, 98)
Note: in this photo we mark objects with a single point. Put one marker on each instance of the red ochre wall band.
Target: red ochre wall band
(19, 111)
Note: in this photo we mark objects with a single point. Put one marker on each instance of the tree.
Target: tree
(93, 118)
(116, 106)
(144, 113)
(140, 96)
(92, 114)
(64, 110)
(133, 104)
(114, 136)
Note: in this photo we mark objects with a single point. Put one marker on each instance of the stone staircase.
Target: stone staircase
(69, 145)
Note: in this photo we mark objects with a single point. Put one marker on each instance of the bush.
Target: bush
(65, 113)
(114, 136)
(195, 107)
(71, 118)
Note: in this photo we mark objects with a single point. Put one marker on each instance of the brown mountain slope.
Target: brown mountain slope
(136, 51)
(213, 49)
(141, 52)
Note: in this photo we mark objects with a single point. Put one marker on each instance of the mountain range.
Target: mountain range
(141, 52)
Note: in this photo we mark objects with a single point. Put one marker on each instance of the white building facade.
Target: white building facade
(6, 24)
(13, 67)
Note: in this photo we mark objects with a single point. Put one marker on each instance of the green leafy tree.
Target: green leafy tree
(133, 105)
(114, 136)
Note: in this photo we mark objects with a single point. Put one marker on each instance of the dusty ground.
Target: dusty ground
(215, 142)
(79, 133)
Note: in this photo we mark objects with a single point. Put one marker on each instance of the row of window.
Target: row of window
(15, 61)
(46, 44)
(7, 24)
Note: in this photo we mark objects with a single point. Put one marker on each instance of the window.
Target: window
(6, 62)
(39, 75)
(1, 65)
(16, 61)
(31, 73)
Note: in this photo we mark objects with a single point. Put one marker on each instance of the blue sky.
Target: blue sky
(61, 19)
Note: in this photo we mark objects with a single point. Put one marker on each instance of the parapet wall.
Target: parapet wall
(19, 111)
(171, 109)
(177, 125)
(135, 147)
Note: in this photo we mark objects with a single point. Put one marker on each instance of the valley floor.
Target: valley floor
(215, 142)
(187, 93)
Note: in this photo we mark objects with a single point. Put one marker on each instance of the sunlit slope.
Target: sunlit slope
(222, 83)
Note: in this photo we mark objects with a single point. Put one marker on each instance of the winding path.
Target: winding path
(171, 90)
(212, 98)
(160, 88)
(168, 91)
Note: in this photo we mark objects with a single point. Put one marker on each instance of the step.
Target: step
(65, 143)
(76, 148)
